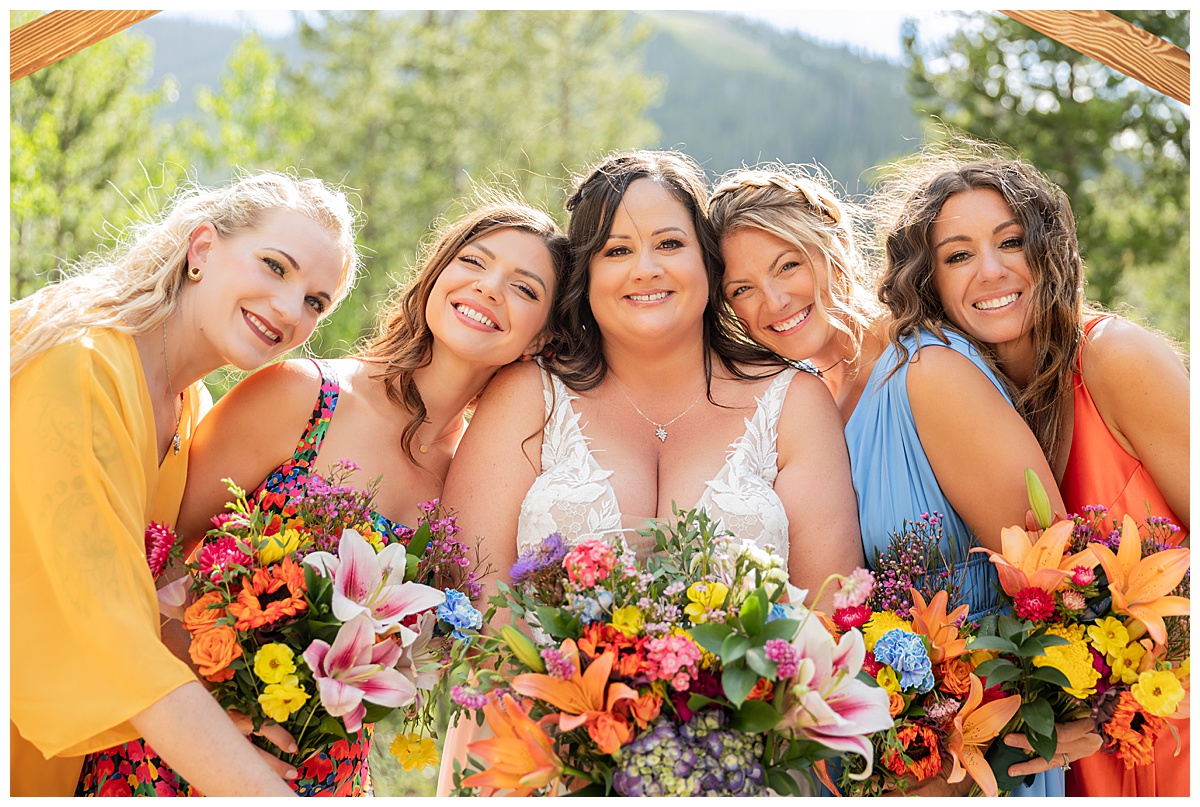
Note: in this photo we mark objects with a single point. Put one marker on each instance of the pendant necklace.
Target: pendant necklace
(660, 429)
(179, 410)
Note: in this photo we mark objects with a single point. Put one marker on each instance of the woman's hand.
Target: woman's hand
(935, 785)
(273, 732)
(1076, 740)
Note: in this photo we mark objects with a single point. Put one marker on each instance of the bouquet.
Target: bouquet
(315, 618)
(917, 652)
(684, 673)
(1081, 642)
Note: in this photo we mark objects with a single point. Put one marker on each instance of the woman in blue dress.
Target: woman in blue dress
(930, 428)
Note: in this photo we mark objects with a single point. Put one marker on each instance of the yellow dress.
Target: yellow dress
(84, 623)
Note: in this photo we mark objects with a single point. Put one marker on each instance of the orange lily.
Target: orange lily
(1141, 587)
(581, 698)
(932, 621)
(521, 755)
(974, 729)
(1023, 563)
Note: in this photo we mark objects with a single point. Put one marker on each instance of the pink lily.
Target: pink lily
(372, 583)
(826, 702)
(357, 669)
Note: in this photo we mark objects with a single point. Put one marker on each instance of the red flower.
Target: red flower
(847, 618)
(1034, 603)
(115, 787)
(921, 747)
(870, 665)
(317, 767)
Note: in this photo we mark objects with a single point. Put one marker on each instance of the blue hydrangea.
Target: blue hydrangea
(459, 613)
(777, 612)
(905, 653)
(592, 609)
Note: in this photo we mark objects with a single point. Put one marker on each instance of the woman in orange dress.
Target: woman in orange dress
(1107, 399)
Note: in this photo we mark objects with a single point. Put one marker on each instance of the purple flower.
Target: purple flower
(557, 664)
(550, 552)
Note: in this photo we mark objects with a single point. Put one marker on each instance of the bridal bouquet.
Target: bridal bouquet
(1110, 643)
(318, 620)
(684, 673)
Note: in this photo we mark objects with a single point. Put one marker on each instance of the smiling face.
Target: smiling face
(648, 281)
(770, 285)
(980, 270)
(262, 291)
(490, 304)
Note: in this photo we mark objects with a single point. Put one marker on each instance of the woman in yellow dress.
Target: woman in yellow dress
(105, 382)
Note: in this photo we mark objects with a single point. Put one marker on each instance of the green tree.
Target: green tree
(1119, 149)
(85, 156)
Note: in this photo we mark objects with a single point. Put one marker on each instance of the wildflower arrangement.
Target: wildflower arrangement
(683, 673)
(1098, 627)
(320, 635)
(917, 653)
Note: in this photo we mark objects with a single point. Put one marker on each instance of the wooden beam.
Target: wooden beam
(1122, 46)
(56, 35)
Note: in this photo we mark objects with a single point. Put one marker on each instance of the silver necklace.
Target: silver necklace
(170, 386)
(660, 429)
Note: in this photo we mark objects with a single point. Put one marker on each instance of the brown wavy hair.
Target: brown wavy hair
(403, 342)
(909, 203)
(797, 205)
(593, 207)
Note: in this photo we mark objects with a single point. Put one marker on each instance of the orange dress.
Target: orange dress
(1100, 472)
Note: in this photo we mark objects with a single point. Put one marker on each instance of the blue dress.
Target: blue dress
(894, 482)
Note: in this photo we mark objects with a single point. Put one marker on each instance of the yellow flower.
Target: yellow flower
(704, 596)
(1158, 691)
(280, 701)
(886, 678)
(273, 548)
(1073, 660)
(414, 752)
(1108, 636)
(1125, 663)
(274, 662)
(1183, 670)
(881, 623)
(375, 539)
(628, 620)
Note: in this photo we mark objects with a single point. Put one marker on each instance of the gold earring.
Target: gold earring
(193, 273)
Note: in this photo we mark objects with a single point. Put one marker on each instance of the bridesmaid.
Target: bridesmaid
(480, 300)
(927, 422)
(990, 248)
(106, 388)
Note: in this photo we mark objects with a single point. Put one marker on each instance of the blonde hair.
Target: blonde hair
(403, 342)
(797, 205)
(136, 284)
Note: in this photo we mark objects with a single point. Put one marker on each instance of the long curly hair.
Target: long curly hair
(136, 284)
(593, 207)
(797, 204)
(403, 342)
(909, 203)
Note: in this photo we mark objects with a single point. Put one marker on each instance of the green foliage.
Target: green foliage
(82, 143)
(1120, 150)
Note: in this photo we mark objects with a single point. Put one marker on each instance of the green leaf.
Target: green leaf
(1038, 716)
(420, 540)
(997, 670)
(331, 725)
(778, 629)
(756, 659)
(734, 647)
(1045, 746)
(556, 623)
(754, 612)
(591, 790)
(782, 784)
(1036, 645)
(737, 681)
(755, 717)
(697, 702)
(1009, 628)
(991, 643)
(1051, 675)
(710, 635)
(987, 626)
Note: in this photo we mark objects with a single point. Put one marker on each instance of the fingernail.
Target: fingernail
(291, 774)
(293, 748)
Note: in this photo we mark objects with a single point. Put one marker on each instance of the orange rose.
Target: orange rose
(895, 704)
(643, 709)
(762, 691)
(199, 618)
(956, 677)
(213, 650)
(610, 732)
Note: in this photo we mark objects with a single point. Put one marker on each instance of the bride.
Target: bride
(677, 410)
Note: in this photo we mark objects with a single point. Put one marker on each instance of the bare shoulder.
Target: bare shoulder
(275, 400)
(519, 381)
(1119, 350)
(939, 370)
(808, 393)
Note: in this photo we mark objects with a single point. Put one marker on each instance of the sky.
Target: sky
(873, 30)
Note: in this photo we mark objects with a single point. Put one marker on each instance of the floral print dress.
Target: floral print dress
(343, 769)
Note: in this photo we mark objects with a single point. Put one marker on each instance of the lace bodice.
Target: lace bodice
(574, 497)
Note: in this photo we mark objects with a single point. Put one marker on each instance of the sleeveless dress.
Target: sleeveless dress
(1100, 471)
(894, 482)
(340, 770)
(572, 496)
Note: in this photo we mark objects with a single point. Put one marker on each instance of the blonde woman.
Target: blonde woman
(105, 389)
